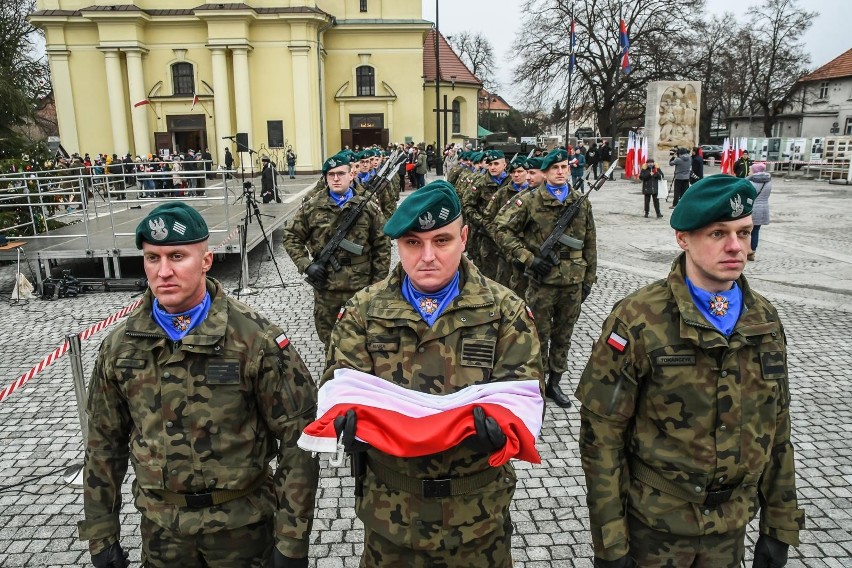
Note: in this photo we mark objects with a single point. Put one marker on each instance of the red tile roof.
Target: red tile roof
(451, 65)
(498, 103)
(837, 68)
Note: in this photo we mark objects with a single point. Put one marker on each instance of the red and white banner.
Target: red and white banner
(406, 423)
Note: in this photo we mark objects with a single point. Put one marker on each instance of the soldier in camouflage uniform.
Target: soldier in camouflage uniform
(483, 335)
(462, 166)
(475, 202)
(685, 421)
(503, 197)
(315, 223)
(465, 182)
(556, 292)
(200, 392)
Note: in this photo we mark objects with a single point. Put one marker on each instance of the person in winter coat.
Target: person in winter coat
(762, 182)
(578, 166)
(651, 176)
(683, 169)
(697, 166)
(593, 159)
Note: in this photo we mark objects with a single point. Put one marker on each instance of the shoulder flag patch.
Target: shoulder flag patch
(529, 312)
(617, 342)
(282, 340)
(341, 312)
(518, 202)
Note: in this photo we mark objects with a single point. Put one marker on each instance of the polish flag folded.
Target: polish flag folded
(407, 424)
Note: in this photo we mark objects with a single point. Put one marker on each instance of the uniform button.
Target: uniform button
(774, 334)
(170, 423)
(507, 480)
(697, 489)
(463, 319)
(724, 374)
(174, 472)
(167, 375)
(211, 484)
(723, 427)
(421, 350)
(706, 511)
(722, 479)
(217, 348)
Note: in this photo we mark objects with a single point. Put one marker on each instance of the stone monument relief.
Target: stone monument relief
(672, 115)
(678, 113)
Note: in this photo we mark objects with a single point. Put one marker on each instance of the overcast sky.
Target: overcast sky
(499, 20)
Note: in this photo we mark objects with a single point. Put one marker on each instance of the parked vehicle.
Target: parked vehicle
(711, 151)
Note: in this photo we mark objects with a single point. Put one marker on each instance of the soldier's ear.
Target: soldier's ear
(682, 238)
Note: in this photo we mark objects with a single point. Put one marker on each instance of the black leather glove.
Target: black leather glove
(587, 289)
(344, 427)
(623, 562)
(111, 557)
(518, 265)
(489, 436)
(769, 552)
(316, 272)
(541, 266)
(278, 560)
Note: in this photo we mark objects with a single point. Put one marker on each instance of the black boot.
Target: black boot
(553, 391)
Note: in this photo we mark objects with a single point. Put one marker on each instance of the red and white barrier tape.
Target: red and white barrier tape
(62, 349)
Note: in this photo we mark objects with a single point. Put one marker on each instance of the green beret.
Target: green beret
(465, 155)
(715, 198)
(339, 159)
(431, 207)
(494, 155)
(518, 162)
(174, 223)
(533, 163)
(554, 157)
(478, 157)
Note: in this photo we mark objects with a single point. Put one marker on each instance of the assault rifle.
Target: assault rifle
(339, 241)
(558, 235)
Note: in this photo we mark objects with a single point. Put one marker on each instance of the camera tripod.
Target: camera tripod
(252, 210)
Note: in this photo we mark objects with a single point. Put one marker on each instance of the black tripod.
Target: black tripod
(252, 210)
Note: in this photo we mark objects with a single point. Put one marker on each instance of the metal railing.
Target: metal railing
(71, 196)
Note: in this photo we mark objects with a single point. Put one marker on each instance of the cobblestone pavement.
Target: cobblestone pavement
(804, 265)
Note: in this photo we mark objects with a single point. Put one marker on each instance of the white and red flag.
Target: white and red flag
(726, 156)
(407, 424)
(629, 157)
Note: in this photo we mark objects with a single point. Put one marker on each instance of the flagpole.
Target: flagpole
(571, 40)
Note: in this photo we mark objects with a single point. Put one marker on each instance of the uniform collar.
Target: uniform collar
(209, 332)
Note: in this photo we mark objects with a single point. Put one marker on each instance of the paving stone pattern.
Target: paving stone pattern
(804, 265)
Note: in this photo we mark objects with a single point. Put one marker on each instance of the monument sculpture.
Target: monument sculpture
(672, 116)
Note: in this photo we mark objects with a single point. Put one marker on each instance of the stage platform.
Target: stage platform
(110, 233)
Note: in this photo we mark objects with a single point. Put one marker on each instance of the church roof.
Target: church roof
(451, 64)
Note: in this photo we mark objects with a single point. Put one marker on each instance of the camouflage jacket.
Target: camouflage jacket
(522, 229)
(205, 413)
(454, 173)
(314, 224)
(381, 334)
(477, 198)
(502, 198)
(681, 411)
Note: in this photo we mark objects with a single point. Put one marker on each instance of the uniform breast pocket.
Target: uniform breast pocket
(221, 390)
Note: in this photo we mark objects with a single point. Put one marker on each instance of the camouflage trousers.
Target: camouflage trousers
(518, 283)
(493, 550)
(556, 310)
(489, 256)
(246, 547)
(655, 549)
(327, 304)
